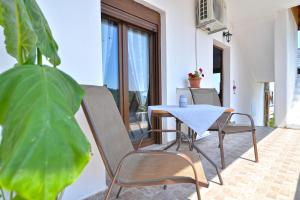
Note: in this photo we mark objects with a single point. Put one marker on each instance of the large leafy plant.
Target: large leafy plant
(42, 149)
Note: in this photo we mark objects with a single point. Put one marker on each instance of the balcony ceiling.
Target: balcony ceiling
(244, 11)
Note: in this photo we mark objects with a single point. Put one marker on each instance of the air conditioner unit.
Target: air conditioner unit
(211, 15)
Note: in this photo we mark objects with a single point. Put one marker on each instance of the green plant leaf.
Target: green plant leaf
(43, 149)
(17, 197)
(46, 42)
(20, 37)
(31, 58)
(1, 16)
(26, 28)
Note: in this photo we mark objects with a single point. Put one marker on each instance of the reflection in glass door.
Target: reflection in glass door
(110, 60)
(138, 82)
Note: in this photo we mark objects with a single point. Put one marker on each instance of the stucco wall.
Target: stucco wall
(285, 64)
(252, 57)
(179, 36)
(238, 64)
(77, 29)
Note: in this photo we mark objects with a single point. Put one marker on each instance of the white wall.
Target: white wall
(76, 26)
(178, 26)
(248, 71)
(246, 58)
(285, 64)
(77, 29)
(292, 58)
(256, 40)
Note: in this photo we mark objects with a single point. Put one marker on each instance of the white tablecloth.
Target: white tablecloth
(197, 117)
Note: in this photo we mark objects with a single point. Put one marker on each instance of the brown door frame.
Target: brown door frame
(266, 103)
(222, 75)
(127, 13)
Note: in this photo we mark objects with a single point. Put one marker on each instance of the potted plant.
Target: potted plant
(195, 78)
(42, 148)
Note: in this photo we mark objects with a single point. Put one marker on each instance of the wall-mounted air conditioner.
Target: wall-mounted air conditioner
(211, 15)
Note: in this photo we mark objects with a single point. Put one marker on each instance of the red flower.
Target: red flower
(200, 69)
(190, 74)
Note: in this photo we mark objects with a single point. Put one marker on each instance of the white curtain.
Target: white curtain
(110, 54)
(138, 64)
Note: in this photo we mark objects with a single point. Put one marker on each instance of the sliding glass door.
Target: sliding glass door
(129, 73)
(138, 81)
(110, 58)
(131, 63)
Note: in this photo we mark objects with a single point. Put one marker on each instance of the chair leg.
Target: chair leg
(109, 190)
(119, 192)
(189, 132)
(169, 146)
(178, 128)
(191, 135)
(198, 191)
(222, 150)
(179, 144)
(193, 140)
(223, 136)
(255, 145)
(211, 162)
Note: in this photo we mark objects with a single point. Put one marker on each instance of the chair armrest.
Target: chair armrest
(163, 131)
(243, 114)
(156, 153)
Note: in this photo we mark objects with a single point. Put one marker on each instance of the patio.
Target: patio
(276, 176)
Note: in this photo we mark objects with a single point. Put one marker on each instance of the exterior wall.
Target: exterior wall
(292, 59)
(238, 66)
(285, 64)
(248, 97)
(256, 41)
(179, 36)
(76, 27)
(252, 64)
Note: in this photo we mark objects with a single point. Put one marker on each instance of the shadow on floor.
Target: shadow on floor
(234, 146)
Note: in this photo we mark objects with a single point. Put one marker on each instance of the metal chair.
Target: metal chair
(135, 168)
(223, 125)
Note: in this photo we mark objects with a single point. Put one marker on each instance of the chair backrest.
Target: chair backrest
(205, 96)
(209, 96)
(107, 126)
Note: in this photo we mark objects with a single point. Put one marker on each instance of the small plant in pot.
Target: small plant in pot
(195, 78)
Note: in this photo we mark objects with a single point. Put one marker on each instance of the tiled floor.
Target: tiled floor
(276, 176)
